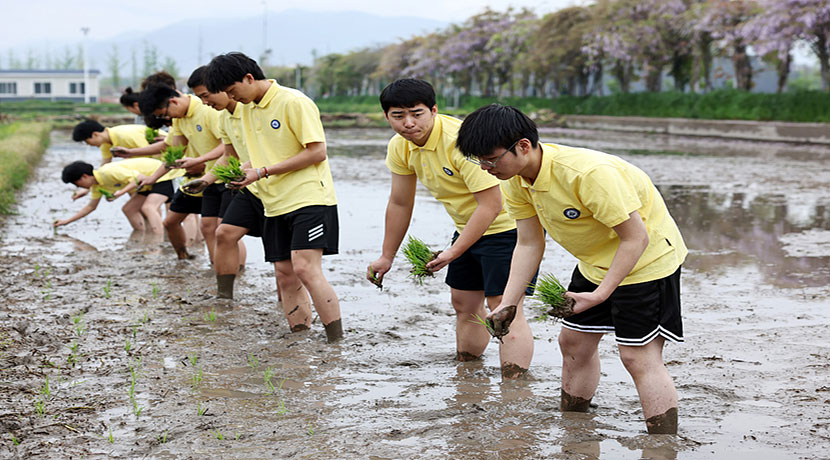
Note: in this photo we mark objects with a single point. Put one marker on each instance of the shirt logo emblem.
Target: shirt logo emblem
(275, 124)
(571, 213)
(199, 128)
(447, 171)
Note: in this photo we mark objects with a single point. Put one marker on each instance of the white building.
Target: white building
(51, 85)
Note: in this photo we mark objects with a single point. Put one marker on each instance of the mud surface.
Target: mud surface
(111, 348)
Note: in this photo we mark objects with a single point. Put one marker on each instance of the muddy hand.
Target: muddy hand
(500, 321)
(374, 277)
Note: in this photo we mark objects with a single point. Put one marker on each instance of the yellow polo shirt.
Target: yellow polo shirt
(444, 171)
(230, 131)
(580, 194)
(115, 176)
(128, 136)
(277, 128)
(201, 128)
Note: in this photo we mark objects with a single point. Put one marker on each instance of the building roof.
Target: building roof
(53, 71)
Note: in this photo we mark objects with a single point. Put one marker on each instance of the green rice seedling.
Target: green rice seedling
(485, 323)
(155, 290)
(105, 193)
(46, 273)
(171, 154)
(210, 316)
(45, 390)
(73, 356)
(551, 293)
(40, 407)
(110, 438)
(163, 438)
(282, 410)
(108, 289)
(230, 173)
(418, 254)
(218, 435)
(37, 270)
(267, 375)
(136, 408)
(15, 441)
(193, 357)
(253, 362)
(135, 329)
(373, 278)
(310, 429)
(199, 411)
(150, 134)
(196, 380)
(127, 345)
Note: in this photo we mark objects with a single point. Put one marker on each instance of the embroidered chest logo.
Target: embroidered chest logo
(199, 128)
(448, 171)
(275, 124)
(571, 213)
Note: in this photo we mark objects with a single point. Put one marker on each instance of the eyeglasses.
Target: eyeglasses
(165, 116)
(489, 164)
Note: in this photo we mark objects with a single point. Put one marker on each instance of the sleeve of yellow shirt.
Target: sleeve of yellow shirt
(517, 200)
(396, 159)
(105, 150)
(174, 131)
(305, 121)
(213, 122)
(609, 194)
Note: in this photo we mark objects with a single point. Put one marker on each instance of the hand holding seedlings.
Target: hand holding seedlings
(232, 172)
(120, 152)
(419, 254)
(195, 186)
(374, 276)
(188, 163)
(550, 291)
(151, 134)
(498, 321)
(170, 155)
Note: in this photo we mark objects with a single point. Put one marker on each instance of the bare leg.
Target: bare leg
(176, 234)
(295, 300)
(654, 385)
(132, 209)
(151, 211)
(517, 350)
(308, 265)
(191, 229)
(208, 227)
(471, 338)
(580, 368)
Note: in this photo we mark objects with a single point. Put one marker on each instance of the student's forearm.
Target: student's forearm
(150, 150)
(396, 223)
(217, 152)
(523, 265)
(626, 257)
(162, 170)
(481, 219)
(88, 208)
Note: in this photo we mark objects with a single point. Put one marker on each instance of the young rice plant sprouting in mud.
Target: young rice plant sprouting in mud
(108, 289)
(155, 290)
(230, 173)
(127, 344)
(199, 411)
(171, 154)
(218, 435)
(483, 322)
(193, 358)
(110, 438)
(15, 441)
(253, 362)
(210, 316)
(267, 376)
(551, 293)
(45, 390)
(40, 407)
(72, 359)
(163, 438)
(196, 380)
(419, 254)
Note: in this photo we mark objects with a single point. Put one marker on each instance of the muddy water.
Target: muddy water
(134, 348)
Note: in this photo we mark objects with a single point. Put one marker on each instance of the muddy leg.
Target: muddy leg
(295, 301)
(175, 233)
(308, 265)
(654, 385)
(227, 257)
(580, 368)
(471, 338)
(516, 349)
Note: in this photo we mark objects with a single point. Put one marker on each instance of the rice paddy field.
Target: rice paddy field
(111, 348)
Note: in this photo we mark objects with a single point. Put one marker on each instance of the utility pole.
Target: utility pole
(85, 30)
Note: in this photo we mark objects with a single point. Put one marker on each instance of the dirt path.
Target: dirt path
(109, 348)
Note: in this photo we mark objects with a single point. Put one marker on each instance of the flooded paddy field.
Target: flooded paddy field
(111, 348)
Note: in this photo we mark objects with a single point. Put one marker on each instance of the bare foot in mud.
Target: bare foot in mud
(510, 371)
(665, 423)
(499, 324)
(563, 310)
(570, 403)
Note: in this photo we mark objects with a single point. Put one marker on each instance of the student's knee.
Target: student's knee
(576, 345)
(637, 361)
(285, 272)
(208, 226)
(306, 271)
(467, 301)
(226, 236)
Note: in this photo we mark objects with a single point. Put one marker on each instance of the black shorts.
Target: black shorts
(311, 227)
(161, 188)
(186, 204)
(215, 200)
(485, 266)
(635, 313)
(246, 211)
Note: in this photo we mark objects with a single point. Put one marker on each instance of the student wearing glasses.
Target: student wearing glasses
(479, 258)
(608, 214)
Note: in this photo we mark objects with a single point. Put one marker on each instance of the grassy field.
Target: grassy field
(21, 146)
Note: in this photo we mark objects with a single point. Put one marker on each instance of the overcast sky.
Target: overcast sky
(34, 20)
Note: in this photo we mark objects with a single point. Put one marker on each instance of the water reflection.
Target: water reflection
(735, 228)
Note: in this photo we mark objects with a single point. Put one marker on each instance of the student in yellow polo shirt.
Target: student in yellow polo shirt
(95, 134)
(609, 215)
(287, 147)
(117, 179)
(196, 126)
(479, 258)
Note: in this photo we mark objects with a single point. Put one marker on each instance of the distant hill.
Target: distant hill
(292, 35)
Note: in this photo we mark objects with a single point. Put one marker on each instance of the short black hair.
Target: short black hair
(74, 171)
(85, 129)
(494, 126)
(407, 92)
(129, 97)
(161, 77)
(197, 77)
(227, 69)
(155, 97)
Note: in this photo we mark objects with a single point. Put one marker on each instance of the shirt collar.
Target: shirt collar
(543, 179)
(191, 108)
(434, 137)
(269, 95)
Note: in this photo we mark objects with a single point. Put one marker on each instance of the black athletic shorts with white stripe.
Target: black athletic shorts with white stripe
(311, 227)
(635, 313)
